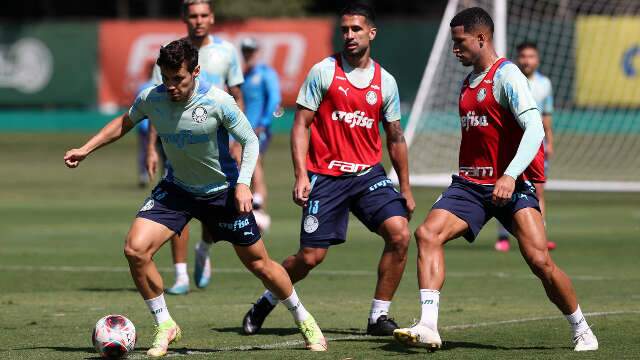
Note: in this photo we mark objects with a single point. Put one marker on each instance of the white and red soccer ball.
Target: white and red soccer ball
(114, 336)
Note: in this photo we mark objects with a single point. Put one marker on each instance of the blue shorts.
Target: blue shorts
(371, 197)
(174, 207)
(471, 202)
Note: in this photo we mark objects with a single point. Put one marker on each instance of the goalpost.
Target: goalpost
(590, 49)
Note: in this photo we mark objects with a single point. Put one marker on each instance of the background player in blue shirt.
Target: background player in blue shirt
(261, 93)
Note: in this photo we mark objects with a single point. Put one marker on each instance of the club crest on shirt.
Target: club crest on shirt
(371, 97)
(310, 224)
(199, 114)
(481, 94)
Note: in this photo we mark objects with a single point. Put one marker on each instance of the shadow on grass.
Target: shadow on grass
(289, 331)
(393, 346)
(109, 289)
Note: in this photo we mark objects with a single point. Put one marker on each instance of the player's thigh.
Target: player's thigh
(528, 228)
(326, 215)
(395, 230)
(441, 226)
(252, 254)
(146, 236)
(222, 220)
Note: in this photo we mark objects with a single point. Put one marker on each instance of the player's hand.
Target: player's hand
(411, 203)
(503, 190)
(73, 157)
(244, 199)
(301, 190)
(548, 150)
(151, 163)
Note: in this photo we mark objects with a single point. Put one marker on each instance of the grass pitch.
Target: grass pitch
(62, 268)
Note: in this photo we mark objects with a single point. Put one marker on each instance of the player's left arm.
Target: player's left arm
(272, 93)
(398, 152)
(236, 92)
(516, 92)
(396, 144)
(238, 125)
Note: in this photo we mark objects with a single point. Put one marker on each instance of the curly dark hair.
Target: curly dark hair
(177, 52)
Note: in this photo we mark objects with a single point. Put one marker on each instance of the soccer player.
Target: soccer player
(220, 66)
(337, 167)
(500, 153)
(528, 61)
(261, 92)
(194, 119)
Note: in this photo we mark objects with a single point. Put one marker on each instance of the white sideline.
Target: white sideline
(454, 274)
(291, 343)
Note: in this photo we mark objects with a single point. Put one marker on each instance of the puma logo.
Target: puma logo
(248, 233)
(343, 90)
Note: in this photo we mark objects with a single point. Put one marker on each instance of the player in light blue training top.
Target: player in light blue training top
(194, 120)
(220, 66)
(528, 61)
(261, 92)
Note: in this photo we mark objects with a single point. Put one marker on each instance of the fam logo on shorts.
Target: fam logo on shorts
(310, 224)
(148, 205)
(481, 94)
(371, 97)
(199, 114)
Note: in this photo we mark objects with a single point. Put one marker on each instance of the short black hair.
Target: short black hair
(177, 52)
(472, 18)
(360, 8)
(527, 45)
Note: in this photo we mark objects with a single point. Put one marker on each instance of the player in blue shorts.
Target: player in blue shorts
(336, 148)
(194, 120)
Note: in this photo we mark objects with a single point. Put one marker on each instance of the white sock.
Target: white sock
(272, 299)
(577, 321)
(429, 300)
(203, 246)
(378, 308)
(182, 277)
(158, 309)
(294, 305)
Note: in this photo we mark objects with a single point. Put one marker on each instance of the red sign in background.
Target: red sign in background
(126, 48)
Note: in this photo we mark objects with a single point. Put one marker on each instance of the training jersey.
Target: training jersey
(348, 105)
(542, 92)
(491, 133)
(219, 64)
(261, 95)
(194, 135)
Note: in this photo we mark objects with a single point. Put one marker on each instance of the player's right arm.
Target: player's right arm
(113, 131)
(153, 158)
(309, 98)
(299, 149)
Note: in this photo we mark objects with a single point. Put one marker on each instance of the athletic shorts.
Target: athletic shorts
(370, 196)
(174, 207)
(471, 202)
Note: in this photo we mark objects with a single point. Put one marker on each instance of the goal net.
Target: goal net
(590, 50)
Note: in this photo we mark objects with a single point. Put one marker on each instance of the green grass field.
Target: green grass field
(62, 268)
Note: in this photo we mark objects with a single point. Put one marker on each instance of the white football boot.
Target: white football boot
(585, 341)
(419, 335)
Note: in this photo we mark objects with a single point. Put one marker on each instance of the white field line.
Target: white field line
(292, 343)
(119, 269)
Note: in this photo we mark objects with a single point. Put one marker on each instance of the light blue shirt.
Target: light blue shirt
(195, 136)
(321, 75)
(542, 92)
(261, 94)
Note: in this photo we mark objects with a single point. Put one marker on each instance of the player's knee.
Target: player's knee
(135, 253)
(311, 260)
(258, 268)
(541, 264)
(426, 236)
(399, 242)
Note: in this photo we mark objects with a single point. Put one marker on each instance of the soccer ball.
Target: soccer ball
(114, 336)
